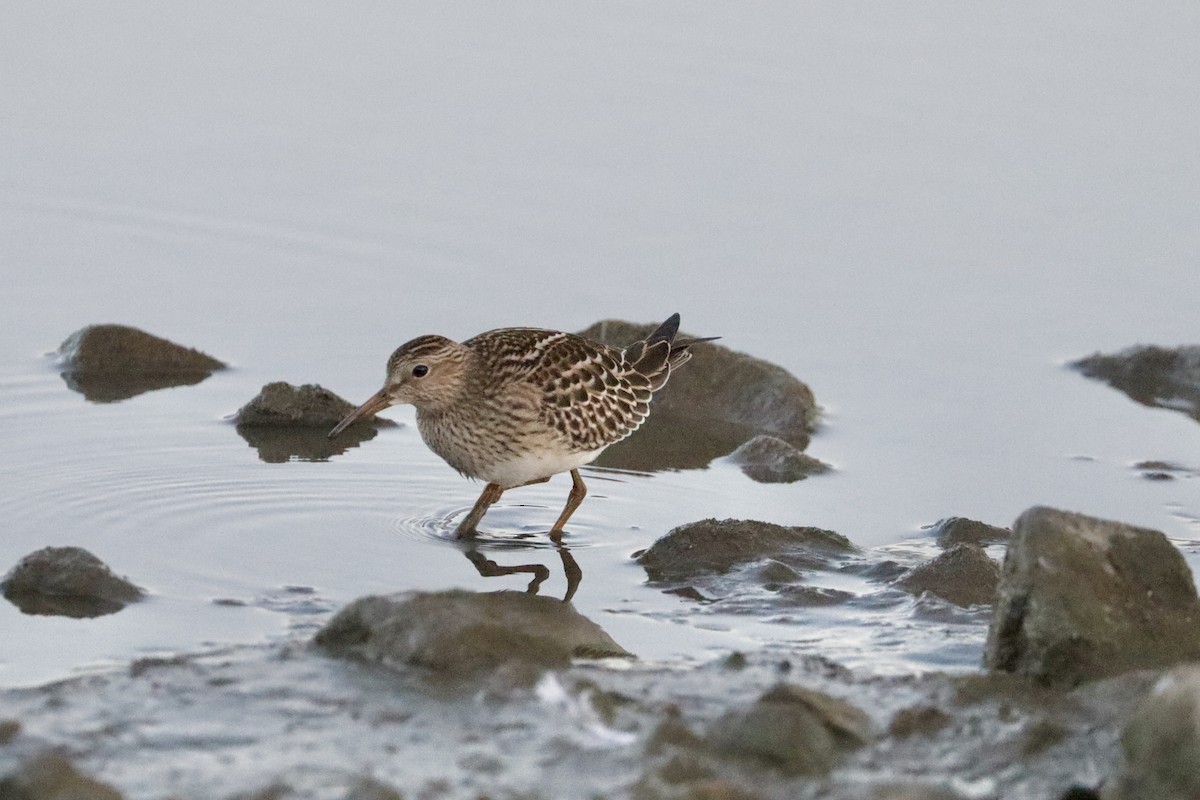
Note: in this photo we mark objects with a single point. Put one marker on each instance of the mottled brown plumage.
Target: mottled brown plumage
(516, 405)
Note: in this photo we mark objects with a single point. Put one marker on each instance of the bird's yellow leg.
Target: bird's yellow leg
(491, 493)
(578, 492)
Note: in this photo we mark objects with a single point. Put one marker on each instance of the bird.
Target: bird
(515, 406)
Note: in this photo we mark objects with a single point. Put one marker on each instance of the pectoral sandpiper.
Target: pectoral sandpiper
(515, 406)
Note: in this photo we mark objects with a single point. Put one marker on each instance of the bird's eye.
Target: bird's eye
(420, 371)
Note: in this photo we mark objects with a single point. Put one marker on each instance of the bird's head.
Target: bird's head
(429, 372)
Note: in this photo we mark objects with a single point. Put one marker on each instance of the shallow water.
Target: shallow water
(922, 214)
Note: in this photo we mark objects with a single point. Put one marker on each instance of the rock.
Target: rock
(459, 634)
(1153, 376)
(1161, 742)
(796, 730)
(67, 581)
(370, 789)
(922, 720)
(964, 575)
(716, 546)
(277, 790)
(916, 792)
(52, 777)
(107, 363)
(285, 422)
(717, 401)
(1081, 598)
(799, 596)
(9, 729)
(960, 530)
(282, 405)
(769, 459)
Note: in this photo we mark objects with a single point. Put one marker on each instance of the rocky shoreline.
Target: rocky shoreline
(1088, 685)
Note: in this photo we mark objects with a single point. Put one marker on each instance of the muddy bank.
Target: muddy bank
(772, 725)
(461, 694)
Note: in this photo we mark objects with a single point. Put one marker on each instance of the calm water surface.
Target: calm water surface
(921, 212)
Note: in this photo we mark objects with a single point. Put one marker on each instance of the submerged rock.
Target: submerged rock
(285, 422)
(51, 776)
(960, 530)
(964, 575)
(459, 634)
(716, 546)
(716, 402)
(107, 363)
(796, 730)
(1153, 376)
(1081, 598)
(1161, 743)
(67, 581)
(769, 459)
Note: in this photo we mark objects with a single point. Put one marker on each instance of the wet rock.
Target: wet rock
(67, 581)
(107, 363)
(1081, 598)
(459, 634)
(964, 575)
(960, 530)
(916, 792)
(769, 459)
(716, 546)
(370, 789)
(1164, 470)
(275, 791)
(1153, 376)
(52, 777)
(918, 721)
(1161, 742)
(799, 596)
(796, 730)
(716, 402)
(9, 728)
(282, 405)
(285, 422)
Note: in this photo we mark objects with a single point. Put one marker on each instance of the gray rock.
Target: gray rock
(796, 730)
(9, 730)
(51, 776)
(107, 363)
(1081, 598)
(1153, 376)
(964, 575)
(960, 530)
(282, 405)
(716, 546)
(67, 581)
(285, 422)
(922, 720)
(713, 404)
(769, 459)
(916, 792)
(370, 789)
(1161, 742)
(459, 634)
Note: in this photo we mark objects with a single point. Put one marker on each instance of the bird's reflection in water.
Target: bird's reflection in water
(540, 572)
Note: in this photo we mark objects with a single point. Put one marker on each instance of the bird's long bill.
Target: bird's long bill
(378, 402)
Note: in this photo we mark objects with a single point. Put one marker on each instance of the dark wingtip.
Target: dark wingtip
(665, 331)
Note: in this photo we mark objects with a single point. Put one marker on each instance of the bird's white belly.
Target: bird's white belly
(528, 467)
